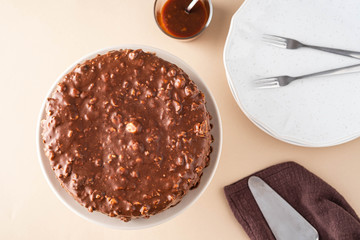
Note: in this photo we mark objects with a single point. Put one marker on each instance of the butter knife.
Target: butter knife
(284, 221)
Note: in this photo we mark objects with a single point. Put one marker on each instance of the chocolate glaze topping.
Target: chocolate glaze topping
(127, 134)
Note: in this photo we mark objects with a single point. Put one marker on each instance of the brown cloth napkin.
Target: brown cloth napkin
(314, 199)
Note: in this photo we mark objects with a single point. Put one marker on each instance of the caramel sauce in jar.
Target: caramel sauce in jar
(177, 22)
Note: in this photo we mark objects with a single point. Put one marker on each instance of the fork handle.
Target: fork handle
(335, 71)
(347, 53)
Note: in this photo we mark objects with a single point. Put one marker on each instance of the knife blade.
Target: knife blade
(284, 221)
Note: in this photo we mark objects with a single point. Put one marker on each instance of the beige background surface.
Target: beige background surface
(39, 39)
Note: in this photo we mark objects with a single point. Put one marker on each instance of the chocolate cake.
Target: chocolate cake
(127, 134)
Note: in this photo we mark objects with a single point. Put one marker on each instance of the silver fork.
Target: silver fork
(280, 81)
(289, 43)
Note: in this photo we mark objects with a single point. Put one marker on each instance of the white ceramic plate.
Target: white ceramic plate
(168, 214)
(315, 112)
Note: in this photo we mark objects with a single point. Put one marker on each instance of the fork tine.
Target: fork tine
(274, 37)
(267, 85)
(275, 42)
(265, 80)
(279, 45)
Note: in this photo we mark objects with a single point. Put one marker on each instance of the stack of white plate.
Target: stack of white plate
(314, 112)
